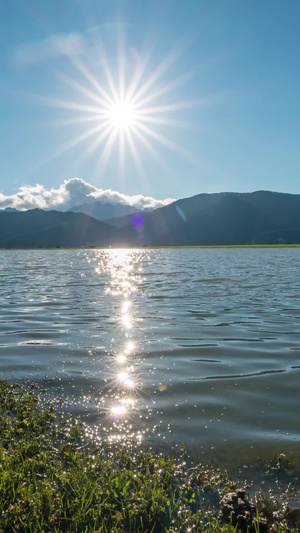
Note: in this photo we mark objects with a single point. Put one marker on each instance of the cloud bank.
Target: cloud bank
(71, 193)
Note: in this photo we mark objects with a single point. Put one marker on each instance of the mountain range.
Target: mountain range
(104, 211)
(261, 217)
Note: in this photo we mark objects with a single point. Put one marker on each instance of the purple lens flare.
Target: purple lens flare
(138, 221)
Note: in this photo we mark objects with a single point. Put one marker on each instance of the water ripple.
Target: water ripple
(194, 345)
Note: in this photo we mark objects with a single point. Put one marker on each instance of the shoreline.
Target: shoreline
(52, 478)
(192, 247)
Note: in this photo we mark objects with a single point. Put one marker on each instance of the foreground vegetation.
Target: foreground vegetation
(53, 479)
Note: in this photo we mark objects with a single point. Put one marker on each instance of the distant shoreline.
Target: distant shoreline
(207, 246)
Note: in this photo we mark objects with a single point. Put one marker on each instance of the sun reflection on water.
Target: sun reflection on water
(129, 347)
(123, 272)
(119, 410)
(125, 379)
(126, 321)
(121, 358)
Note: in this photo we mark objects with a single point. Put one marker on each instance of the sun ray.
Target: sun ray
(92, 147)
(126, 114)
(150, 148)
(66, 104)
(121, 62)
(80, 138)
(175, 147)
(74, 120)
(138, 73)
(154, 95)
(158, 72)
(103, 61)
(108, 73)
(165, 121)
(81, 89)
(68, 146)
(96, 142)
(122, 152)
(136, 157)
(74, 142)
(106, 153)
(83, 69)
(178, 106)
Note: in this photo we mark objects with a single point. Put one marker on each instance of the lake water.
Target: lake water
(200, 346)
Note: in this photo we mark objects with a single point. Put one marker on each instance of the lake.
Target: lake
(164, 346)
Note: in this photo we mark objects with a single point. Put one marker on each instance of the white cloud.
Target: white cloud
(69, 45)
(71, 193)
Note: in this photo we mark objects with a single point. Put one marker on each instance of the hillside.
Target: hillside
(261, 217)
(51, 229)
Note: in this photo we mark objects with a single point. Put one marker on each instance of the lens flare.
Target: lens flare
(126, 108)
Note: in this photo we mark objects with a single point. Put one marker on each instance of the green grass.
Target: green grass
(53, 479)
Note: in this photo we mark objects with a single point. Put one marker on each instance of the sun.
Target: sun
(127, 111)
(122, 115)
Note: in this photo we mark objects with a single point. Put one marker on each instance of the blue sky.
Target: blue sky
(231, 115)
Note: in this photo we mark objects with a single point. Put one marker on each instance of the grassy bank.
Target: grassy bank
(52, 479)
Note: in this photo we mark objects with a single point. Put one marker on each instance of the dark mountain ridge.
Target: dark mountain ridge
(50, 229)
(260, 217)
